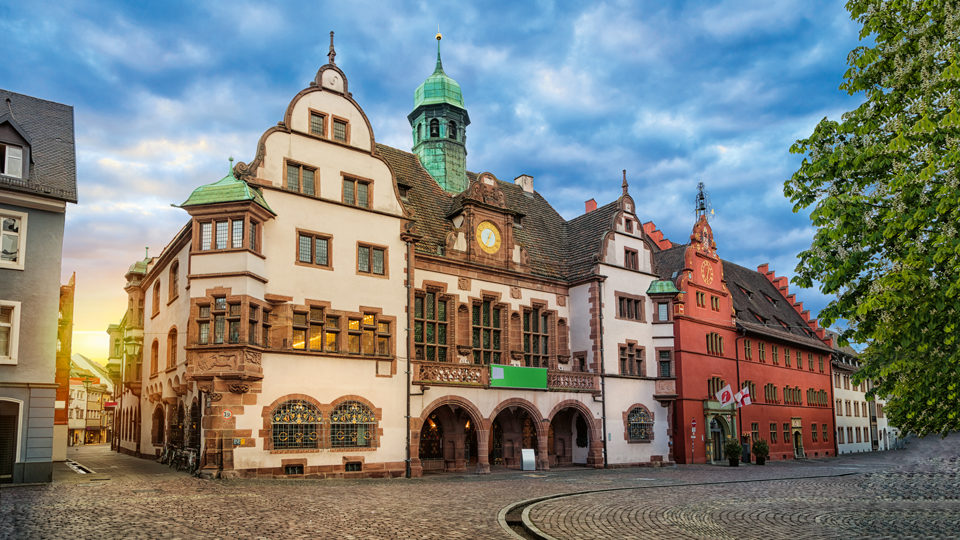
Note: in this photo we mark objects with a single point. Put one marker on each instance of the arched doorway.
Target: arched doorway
(568, 440)
(193, 433)
(797, 444)
(156, 434)
(448, 440)
(718, 435)
(176, 427)
(512, 430)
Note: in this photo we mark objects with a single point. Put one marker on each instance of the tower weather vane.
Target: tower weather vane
(702, 205)
(332, 54)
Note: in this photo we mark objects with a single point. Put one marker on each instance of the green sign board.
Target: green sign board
(517, 377)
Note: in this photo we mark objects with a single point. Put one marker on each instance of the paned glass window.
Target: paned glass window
(430, 330)
(237, 236)
(10, 240)
(371, 260)
(253, 235)
(664, 364)
(317, 121)
(773, 432)
(8, 329)
(754, 431)
(639, 424)
(313, 249)
(536, 338)
(206, 236)
(630, 308)
(221, 235)
(332, 334)
(631, 360)
(295, 424)
(486, 333)
(631, 259)
(300, 178)
(352, 425)
(663, 311)
(356, 192)
(774, 353)
(11, 160)
(339, 130)
(786, 432)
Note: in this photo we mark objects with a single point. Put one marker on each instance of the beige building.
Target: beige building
(338, 307)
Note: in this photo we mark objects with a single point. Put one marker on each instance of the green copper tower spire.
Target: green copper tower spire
(439, 122)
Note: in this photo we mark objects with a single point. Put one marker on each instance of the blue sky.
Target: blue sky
(568, 92)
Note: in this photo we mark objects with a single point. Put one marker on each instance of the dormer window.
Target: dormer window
(341, 130)
(434, 128)
(452, 130)
(11, 160)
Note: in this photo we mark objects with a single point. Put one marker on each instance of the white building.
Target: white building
(861, 423)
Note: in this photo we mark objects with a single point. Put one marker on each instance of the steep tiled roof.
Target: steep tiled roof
(49, 128)
(669, 262)
(585, 238)
(543, 232)
(761, 308)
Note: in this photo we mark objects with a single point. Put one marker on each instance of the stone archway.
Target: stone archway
(574, 438)
(718, 432)
(448, 436)
(516, 424)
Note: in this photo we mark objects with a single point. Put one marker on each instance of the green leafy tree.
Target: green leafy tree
(884, 187)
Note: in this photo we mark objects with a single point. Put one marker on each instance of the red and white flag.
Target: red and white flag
(725, 396)
(743, 397)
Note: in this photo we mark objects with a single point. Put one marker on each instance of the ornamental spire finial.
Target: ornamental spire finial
(332, 54)
(439, 63)
(624, 184)
(230, 170)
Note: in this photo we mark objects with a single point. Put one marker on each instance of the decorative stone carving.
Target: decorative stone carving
(561, 300)
(569, 380)
(239, 388)
(204, 387)
(463, 284)
(218, 360)
(216, 396)
(252, 356)
(514, 292)
(450, 373)
(464, 350)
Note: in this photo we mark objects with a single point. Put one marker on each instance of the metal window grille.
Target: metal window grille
(352, 425)
(316, 124)
(206, 235)
(340, 130)
(296, 424)
(430, 327)
(639, 425)
(237, 233)
(221, 235)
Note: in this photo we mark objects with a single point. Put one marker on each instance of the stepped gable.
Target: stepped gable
(542, 232)
(783, 286)
(48, 128)
(585, 234)
(656, 235)
(755, 296)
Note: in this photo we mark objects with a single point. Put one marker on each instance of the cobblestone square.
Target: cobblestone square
(906, 493)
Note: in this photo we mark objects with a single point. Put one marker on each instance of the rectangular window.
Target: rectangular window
(237, 236)
(430, 330)
(786, 357)
(485, 332)
(701, 299)
(206, 236)
(810, 361)
(300, 327)
(821, 363)
(318, 124)
(773, 433)
(13, 230)
(630, 308)
(714, 303)
(340, 130)
(371, 260)
(754, 431)
(356, 192)
(300, 178)
(254, 324)
(313, 248)
(628, 225)
(786, 432)
(536, 338)
(218, 328)
(353, 336)
(747, 353)
(631, 259)
(664, 364)
(253, 235)
(11, 160)
(9, 331)
(331, 335)
(840, 435)
(813, 432)
(663, 311)
(221, 239)
(799, 360)
(774, 353)
(631, 360)
(825, 433)
(762, 351)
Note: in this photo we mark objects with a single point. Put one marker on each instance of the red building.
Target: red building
(742, 327)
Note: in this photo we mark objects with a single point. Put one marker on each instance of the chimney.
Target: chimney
(525, 181)
(591, 205)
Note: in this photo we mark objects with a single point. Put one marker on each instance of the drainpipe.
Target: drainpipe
(603, 375)
(409, 286)
(736, 349)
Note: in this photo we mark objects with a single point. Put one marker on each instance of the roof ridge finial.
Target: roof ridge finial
(439, 67)
(332, 54)
(624, 184)
(230, 170)
(146, 252)
(700, 207)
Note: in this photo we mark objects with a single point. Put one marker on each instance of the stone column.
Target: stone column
(483, 451)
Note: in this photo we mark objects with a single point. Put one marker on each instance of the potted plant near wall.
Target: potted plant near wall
(761, 450)
(733, 449)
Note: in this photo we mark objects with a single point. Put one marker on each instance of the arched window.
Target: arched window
(156, 434)
(156, 298)
(434, 128)
(295, 424)
(352, 424)
(174, 282)
(639, 424)
(172, 348)
(419, 131)
(452, 130)
(193, 437)
(154, 357)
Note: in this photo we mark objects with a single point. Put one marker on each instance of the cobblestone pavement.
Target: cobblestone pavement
(902, 493)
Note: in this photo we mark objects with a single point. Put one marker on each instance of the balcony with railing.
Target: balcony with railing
(426, 373)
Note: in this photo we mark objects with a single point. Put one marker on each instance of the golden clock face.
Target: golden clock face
(706, 272)
(488, 236)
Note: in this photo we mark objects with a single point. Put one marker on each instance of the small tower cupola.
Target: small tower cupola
(439, 120)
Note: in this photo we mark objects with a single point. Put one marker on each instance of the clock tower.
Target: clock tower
(439, 121)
